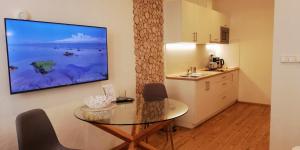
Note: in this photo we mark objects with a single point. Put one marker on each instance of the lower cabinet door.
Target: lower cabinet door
(205, 103)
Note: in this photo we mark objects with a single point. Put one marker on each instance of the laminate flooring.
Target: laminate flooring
(240, 127)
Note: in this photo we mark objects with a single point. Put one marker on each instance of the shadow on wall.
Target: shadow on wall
(249, 86)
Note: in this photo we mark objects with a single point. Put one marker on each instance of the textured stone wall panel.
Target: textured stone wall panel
(148, 39)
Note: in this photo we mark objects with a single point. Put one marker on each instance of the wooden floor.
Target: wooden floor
(240, 127)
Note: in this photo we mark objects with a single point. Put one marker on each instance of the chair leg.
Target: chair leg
(167, 133)
(145, 127)
(171, 136)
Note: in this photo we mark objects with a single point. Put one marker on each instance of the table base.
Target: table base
(134, 140)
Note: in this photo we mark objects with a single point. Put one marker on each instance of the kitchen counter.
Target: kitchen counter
(202, 74)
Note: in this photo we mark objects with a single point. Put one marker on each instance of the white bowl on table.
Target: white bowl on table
(99, 101)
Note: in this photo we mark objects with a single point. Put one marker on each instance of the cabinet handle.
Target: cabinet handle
(224, 97)
(196, 36)
(223, 77)
(207, 85)
(224, 84)
(193, 36)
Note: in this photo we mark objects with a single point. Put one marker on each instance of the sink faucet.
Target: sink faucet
(191, 70)
(188, 72)
(194, 69)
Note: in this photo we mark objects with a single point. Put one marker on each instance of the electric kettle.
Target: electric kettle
(221, 63)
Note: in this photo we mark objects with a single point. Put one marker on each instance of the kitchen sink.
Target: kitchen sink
(194, 75)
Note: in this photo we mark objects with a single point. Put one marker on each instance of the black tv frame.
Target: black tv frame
(8, 64)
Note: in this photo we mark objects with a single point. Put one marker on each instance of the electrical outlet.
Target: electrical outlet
(284, 59)
(298, 59)
(290, 59)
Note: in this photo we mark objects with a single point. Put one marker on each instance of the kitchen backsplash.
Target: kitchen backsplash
(179, 60)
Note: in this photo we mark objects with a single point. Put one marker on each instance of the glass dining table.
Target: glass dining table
(158, 113)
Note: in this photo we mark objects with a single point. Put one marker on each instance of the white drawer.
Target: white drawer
(222, 86)
(223, 77)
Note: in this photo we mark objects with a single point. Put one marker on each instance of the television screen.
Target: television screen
(45, 55)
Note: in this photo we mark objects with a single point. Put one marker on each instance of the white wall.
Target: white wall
(59, 103)
(252, 27)
(285, 107)
(203, 3)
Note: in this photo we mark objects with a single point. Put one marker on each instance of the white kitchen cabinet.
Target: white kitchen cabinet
(205, 97)
(203, 25)
(217, 20)
(190, 21)
(186, 21)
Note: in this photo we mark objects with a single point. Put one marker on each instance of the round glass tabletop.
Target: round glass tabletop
(133, 113)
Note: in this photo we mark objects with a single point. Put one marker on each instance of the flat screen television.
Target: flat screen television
(44, 55)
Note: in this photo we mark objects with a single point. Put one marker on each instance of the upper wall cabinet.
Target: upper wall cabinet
(217, 20)
(185, 22)
(188, 22)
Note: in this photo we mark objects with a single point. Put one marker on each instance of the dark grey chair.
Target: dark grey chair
(157, 91)
(35, 132)
(154, 91)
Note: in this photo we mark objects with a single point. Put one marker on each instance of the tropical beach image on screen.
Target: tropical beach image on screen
(43, 55)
